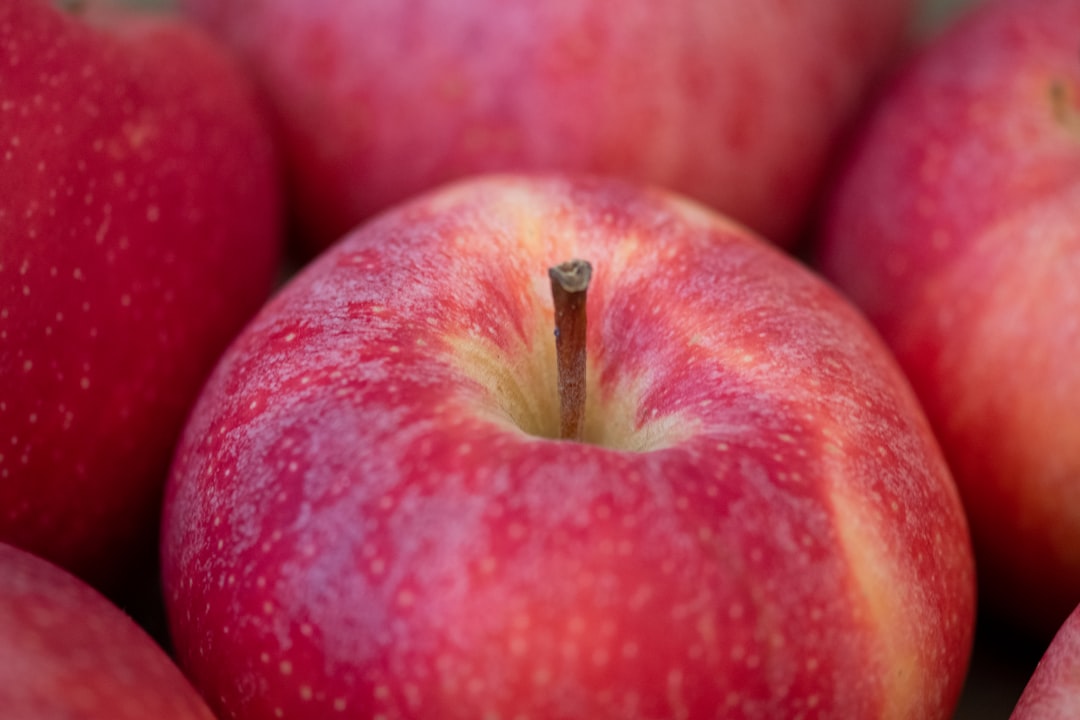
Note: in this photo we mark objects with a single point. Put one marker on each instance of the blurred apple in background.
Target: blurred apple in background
(67, 652)
(737, 104)
(956, 227)
(139, 229)
(372, 510)
(934, 15)
(1053, 693)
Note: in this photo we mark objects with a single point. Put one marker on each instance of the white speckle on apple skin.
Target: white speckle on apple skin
(742, 519)
(134, 173)
(953, 226)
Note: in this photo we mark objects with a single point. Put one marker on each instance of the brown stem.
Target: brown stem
(569, 289)
(74, 7)
(1066, 110)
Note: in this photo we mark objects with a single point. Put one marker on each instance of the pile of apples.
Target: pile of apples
(286, 337)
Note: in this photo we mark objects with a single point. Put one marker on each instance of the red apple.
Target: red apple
(67, 652)
(956, 227)
(1053, 693)
(734, 103)
(373, 511)
(139, 229)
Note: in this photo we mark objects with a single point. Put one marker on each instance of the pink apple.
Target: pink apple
(372, 510)
(956, 228)
(1053, 693)
(67, 652)
(139, 229)
(735, 103)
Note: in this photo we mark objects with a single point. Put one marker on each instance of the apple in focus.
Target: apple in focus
(139, 229)
(67, 652)
(955, 226)
(373, 509)
(736, 104)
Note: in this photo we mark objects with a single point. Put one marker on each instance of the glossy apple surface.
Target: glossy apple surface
(139, 229)
(369, 512)
(67, 652)
(956, 227)
(734, 103)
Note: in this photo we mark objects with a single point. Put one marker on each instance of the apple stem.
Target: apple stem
(569, 289)
(74, 7)
(1065, 109)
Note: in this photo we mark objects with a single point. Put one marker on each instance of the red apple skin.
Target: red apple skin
(736, 104)
(140, 220)
(368, 514)
(67, 652)
(956, 227)
(1053, 692)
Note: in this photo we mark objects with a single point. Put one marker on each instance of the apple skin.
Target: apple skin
(955, 226)
(1053, 692)
(140, 227)
(67, 652)
(368, 512)
(736, 104)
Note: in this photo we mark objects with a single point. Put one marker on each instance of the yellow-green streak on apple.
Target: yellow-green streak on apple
(888, 607)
